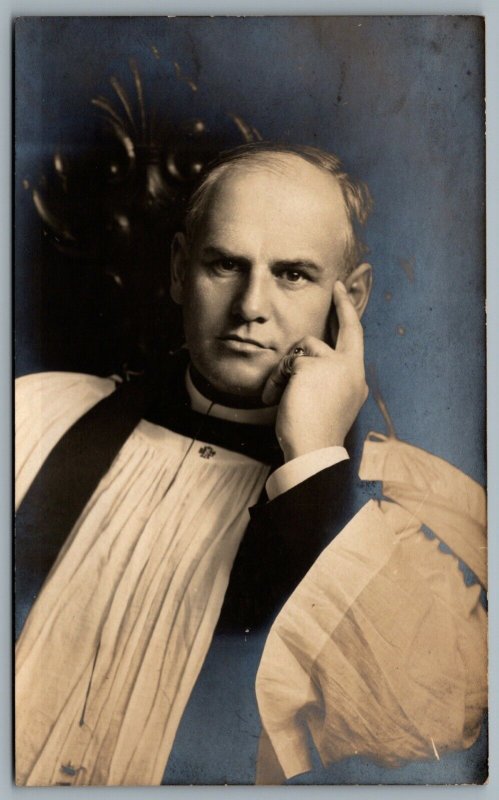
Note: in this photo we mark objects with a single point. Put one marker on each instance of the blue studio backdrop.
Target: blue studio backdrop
(401, 100)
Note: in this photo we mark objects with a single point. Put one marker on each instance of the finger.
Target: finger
(275, 384)
(350, 333)
(281, 374)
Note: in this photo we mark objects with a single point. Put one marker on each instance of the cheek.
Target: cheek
(204, 307)
(310, 318)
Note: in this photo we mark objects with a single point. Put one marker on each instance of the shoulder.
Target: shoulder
(70, 386)
(45, 399)
(46, 405)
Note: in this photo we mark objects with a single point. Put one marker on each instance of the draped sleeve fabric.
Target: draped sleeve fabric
(381, 650)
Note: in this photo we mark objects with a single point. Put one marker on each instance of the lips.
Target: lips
(243, 344)
(245, 340)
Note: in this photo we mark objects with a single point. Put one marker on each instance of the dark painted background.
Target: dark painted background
(400, 99)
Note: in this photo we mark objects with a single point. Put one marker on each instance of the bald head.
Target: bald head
(281, 198)
(301, 170)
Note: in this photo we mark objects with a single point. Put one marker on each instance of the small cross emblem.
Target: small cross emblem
(206, 451)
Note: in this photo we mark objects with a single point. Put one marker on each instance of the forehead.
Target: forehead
(280, 204)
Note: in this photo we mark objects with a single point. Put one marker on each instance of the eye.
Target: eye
(224, 265)
(295, 276)
(228, 264)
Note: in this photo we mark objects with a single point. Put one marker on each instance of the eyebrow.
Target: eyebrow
(294, 263)
(217, 252)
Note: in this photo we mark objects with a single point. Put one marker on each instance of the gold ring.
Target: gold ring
(289, 360)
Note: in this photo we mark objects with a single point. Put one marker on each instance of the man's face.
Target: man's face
(260, 272)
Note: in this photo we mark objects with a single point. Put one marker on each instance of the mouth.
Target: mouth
(243, 344)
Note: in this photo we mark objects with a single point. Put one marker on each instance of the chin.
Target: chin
(238, 379)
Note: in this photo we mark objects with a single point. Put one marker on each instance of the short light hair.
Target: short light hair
(358, 201)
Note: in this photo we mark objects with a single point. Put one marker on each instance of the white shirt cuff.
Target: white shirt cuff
(299, 469)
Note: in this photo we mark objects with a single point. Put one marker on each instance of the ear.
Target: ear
(178, 268)
(359, 284)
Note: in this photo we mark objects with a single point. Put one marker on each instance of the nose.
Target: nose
(252, 301)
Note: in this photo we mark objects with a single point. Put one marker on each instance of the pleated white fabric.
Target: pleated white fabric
(381, 651)
(114, 643)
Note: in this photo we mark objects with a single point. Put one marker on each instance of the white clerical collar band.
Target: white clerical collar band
(249, 416)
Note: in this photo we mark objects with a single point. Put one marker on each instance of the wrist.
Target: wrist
(297, 449)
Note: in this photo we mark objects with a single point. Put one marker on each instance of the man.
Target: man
(271, 280)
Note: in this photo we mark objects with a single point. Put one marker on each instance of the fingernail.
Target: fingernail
(341, 286)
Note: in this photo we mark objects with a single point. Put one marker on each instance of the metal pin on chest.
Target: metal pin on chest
(206, 451)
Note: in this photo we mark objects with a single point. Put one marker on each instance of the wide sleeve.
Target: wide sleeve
(381, 651)
(46, 406)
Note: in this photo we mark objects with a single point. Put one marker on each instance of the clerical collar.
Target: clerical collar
(253, 416)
